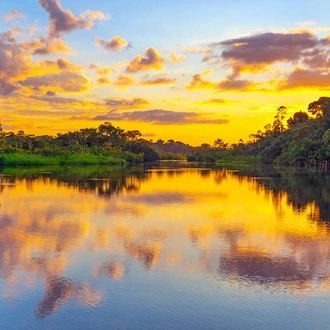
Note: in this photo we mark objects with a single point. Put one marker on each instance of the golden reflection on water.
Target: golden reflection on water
(212, 222)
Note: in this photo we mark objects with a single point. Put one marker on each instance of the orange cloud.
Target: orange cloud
(12, 15)
(195, 50)
(115, 44)
(103, 71)
(174, 58)
(233, 84)
(151, 60)
(306, 79)
(163, 117)
(120, 103)
(157, 80)
(218, 102)
(103, 81)
(65, 82)
(123, 81)
(7, 87)
(46, 46)
(197, 82)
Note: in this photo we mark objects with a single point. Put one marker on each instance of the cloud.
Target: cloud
(256, 52)
(94, 66)
(51, 98)
(232, 84)
(13, 61)
(195, 50)
(123, 81)
(151, 60)
(175, 58)
(64, 64)
(197, 82)
(162, 117)
(157, 80)
(103, 81)
(106, 70)
(103, 71)
(200, 50)
(17, 67)
(12, 15)
(306, 79)
(71, 82)
(46, 46)
(218, 102)
(207, 56)
(115, 44)
(316, 59)
(6, 87)
(62, 21)
(119, 103)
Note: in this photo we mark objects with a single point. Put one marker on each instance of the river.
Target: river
(169, 246)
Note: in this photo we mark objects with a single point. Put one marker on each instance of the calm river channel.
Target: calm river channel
(169, 246)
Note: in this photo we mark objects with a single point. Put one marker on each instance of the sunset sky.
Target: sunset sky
(185, 70)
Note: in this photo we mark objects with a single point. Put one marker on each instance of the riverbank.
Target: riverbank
(17, 159)
(233, 159)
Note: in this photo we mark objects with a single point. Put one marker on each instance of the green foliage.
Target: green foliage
(75, 159)
(298, 118)
(320, 108)
(25, 160)
(238, 159)
(103, 145)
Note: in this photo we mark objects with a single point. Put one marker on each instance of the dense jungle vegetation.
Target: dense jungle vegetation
(103, 145)
(301, 140)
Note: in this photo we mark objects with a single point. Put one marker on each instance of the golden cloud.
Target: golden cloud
(46, 46)
(151, 60)
(157, 80)
(116, 44)
(217, 102)
(120, 103)
(123, 81)
(197, 82)
(174, 58)
(103, 81)
(65, 82)
(306, 79)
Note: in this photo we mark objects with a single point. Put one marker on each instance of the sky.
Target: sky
(186, 70)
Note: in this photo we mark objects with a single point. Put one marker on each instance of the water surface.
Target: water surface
(165, 247)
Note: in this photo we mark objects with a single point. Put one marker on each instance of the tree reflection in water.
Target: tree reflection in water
(256, 226)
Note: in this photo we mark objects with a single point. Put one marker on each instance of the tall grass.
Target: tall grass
(75, 159)
(250, 159)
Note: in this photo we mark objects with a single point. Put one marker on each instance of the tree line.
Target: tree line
(105, 140)
(303, 139)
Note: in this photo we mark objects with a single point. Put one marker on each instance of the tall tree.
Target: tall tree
(298, 118)
(278, 126)
(320, 108)
(2, 138)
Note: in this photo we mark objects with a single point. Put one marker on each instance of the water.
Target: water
(167, 247)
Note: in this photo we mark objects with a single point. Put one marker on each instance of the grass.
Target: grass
(75, 159)
(238, 159)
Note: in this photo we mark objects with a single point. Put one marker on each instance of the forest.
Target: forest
(103, 145)
(301, 140)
